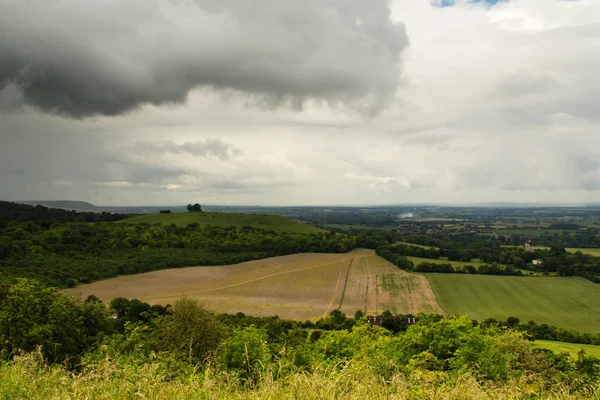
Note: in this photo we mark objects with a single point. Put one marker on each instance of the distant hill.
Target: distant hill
(41, 214)
(65, 205)
(275, 223)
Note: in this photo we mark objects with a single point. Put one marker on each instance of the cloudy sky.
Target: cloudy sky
(282, 102)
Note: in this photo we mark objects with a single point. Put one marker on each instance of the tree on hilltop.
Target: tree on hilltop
(194, 208)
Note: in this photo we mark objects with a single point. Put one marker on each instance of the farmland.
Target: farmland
(417, 245)
(571, 348)
(375, 285)
(570, 303)
(591, 251)
(419, 260)
(301, 286)
(275, 223)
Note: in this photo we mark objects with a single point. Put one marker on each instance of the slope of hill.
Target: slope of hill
(300, 286)
(66, 205)
(275, 223)
(569, 303)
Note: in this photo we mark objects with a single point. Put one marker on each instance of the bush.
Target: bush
(246, 351)
(190, 332)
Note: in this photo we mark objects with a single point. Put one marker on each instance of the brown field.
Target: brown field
(300, 286)
(375, 285)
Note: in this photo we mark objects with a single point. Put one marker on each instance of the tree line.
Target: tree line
(63, 254)
(499, 260)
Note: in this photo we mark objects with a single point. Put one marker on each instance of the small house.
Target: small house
(373, 320)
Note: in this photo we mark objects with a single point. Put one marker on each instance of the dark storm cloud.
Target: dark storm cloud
(80, 59)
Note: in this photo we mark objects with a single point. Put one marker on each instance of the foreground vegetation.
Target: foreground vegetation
(27, 377)
(185, 351)
(55, 346)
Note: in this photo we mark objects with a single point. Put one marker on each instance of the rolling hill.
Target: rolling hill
(299, 286)
(275, 223)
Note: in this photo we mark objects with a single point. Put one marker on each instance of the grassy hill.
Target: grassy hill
(569, 303)
(275, 223)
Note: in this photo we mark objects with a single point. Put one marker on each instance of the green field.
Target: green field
(591, 251)
(571, 348)
(346, 227)
(570, 303)
(417, 245)
(418, 260)
(530, 232)
(275, 223)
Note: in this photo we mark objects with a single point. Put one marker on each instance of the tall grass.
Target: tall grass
(26, 377)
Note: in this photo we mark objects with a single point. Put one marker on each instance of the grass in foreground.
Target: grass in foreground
(571, 348)
(27, 378)
(275, 223)
(570, 303)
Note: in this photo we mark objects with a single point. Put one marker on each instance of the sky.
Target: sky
(300, 102)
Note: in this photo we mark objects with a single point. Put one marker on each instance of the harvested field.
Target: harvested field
(300, 286)
(375, 285)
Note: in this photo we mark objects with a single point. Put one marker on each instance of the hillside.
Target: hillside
(275, 223)
(80, 206)
(569, 303)
(300, 286)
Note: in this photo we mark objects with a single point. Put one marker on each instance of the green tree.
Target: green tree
(194, 207)
(33, 315)
(246, 350)
(190, 332)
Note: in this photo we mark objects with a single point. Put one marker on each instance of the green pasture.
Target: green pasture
(530, 232)
(417, 245)
(275, 223)
(571, 348)
(570, 303)
(591, 251)
(347, 227)
(418, 260)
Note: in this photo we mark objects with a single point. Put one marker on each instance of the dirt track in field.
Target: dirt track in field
(300, 286)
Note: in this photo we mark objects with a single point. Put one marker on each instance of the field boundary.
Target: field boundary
(346, 283)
